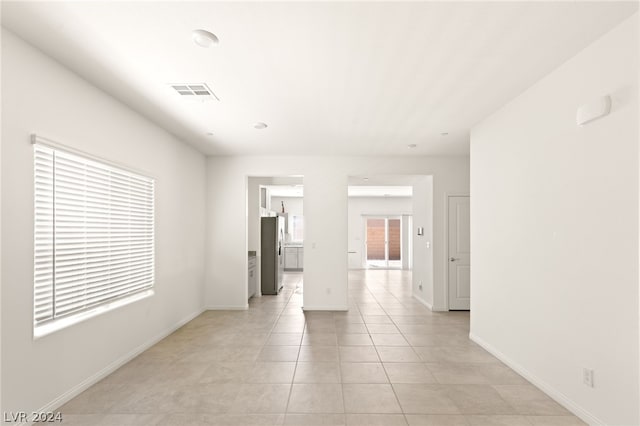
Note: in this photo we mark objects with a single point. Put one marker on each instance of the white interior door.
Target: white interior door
(459, 253)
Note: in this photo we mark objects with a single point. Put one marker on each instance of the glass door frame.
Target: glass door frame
(385, 263)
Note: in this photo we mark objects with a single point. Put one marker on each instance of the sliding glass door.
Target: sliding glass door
(383, 242)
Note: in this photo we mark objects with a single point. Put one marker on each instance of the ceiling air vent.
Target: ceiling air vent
(199, 91)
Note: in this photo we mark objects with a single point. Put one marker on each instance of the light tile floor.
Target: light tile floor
(387, 361)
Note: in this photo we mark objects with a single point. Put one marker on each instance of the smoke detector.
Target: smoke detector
(204, 38)
(199, 91)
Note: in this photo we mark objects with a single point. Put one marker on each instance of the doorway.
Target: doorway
(383, 242)
(275, 231)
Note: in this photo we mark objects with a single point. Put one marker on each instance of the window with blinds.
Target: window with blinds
(94, 235)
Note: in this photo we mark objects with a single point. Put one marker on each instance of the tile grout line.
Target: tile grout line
(344, 402)
(404, 415)
(284, 307)
(295, 367)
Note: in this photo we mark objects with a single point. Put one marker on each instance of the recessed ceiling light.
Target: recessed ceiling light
(366, 179)
(411, 145)
(209, 133)
(260, 125)
(444, 133)
(204, 38)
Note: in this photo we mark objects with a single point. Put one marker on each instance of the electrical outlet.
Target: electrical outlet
(328, 290)
(420, 285)
(587, 377)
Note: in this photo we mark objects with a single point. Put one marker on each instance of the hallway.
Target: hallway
(388, 361)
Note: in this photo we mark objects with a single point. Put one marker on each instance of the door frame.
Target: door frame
(448, 195)
(386, 218)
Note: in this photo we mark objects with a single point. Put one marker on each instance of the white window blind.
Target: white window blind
(94, 238)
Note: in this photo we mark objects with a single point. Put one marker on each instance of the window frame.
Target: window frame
(45, 327)
(293, 227)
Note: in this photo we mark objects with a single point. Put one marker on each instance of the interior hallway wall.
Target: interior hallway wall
(554, 232)
(430, 249)
(325, 212)
(42, 373)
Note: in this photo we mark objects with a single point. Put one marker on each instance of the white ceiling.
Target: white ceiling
(329, 78)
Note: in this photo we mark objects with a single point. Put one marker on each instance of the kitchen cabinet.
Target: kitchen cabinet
(253, 278)
(290, 258)
(293, 258)
(300, 257)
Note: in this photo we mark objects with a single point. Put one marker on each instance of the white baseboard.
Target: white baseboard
(555, 394)
(424, 302)
(227, 307)
(95, 378)
(325, 308)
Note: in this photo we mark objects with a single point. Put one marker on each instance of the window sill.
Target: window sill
(53, 326)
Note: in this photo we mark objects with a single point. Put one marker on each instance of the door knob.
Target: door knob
(453, 259)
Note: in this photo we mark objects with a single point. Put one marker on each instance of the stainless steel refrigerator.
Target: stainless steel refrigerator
(272, 254)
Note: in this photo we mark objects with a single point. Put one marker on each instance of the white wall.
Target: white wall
(293, 206)
(429, 250)
(555, 232)
(325, 213)
(41, 96)
(359, 206)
